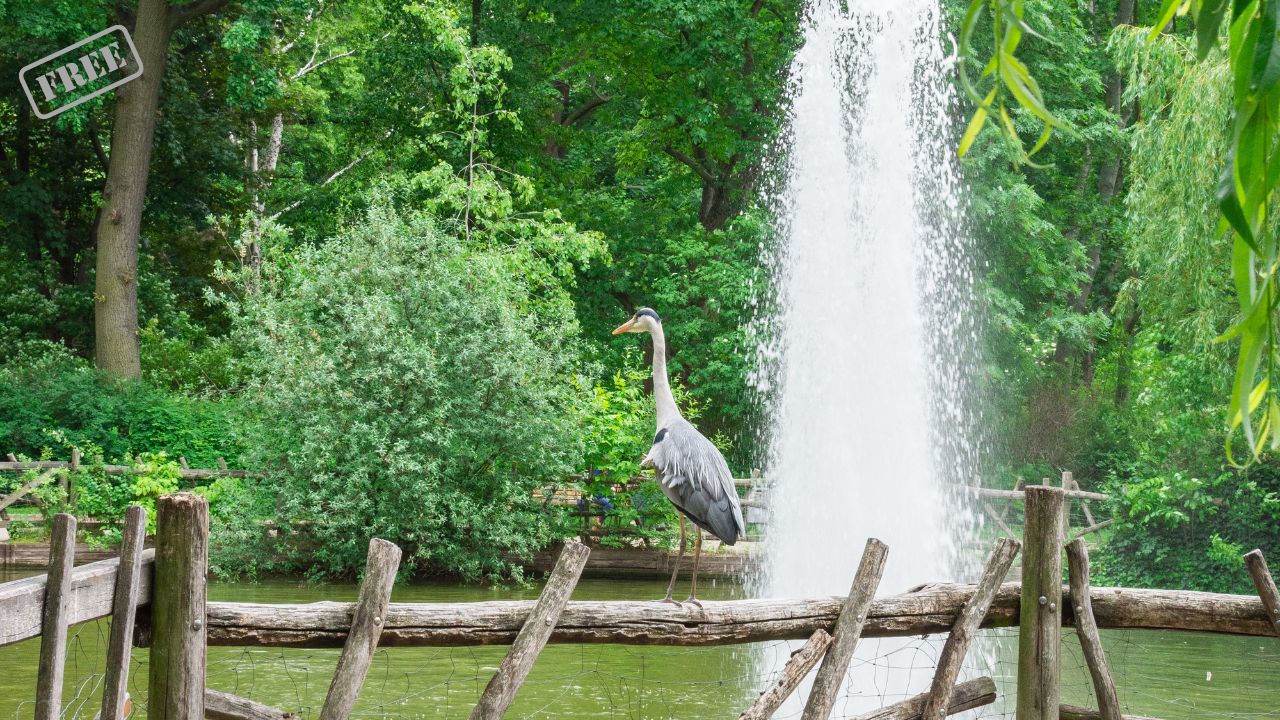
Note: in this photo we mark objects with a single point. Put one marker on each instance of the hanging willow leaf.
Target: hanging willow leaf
(1266, 53)
(1208, 21)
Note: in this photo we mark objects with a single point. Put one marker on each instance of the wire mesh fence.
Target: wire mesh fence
(1167, 675)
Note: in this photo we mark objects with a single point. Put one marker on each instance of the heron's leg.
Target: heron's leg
(671, 586)
(697, 557)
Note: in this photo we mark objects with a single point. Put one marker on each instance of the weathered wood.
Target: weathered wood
(367, 620)
(90, 594)
(53, 626)
(848, 629)
(1095, 527)
(177, 660)
(1266, 586)
(1021, 494)
(27, 487)
(929, 610)
(962, 633)
(1040, 617)
(1073, 712)
(965, 696)
(219, 705)
(998, 517)
(190, 473)
(1104, 688)
(32, 556)
(115, 682)
(502, 687)
(801, 662)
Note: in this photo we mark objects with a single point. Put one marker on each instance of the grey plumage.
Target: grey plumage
(695, 477)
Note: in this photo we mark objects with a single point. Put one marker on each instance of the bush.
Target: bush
(399, 387)
(52, 401)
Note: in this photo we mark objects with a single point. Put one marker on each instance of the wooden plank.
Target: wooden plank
(90, 590)
(177, 661)
(1039, 636)
(27, 487)
(848, 629)
(219, 705)
(965, 696)
(928, 610)
(1265, 584)
(115, 682)
(801, 662)
(966, 627)
(53, 628)
(380, 569)
(999, 518)
(515, 667)
(1073, 712)
(1104, 688)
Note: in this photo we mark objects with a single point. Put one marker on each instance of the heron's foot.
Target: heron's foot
(691, 600)
(673, 601)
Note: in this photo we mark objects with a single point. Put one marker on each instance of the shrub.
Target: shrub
(400, 387)
(51, 400)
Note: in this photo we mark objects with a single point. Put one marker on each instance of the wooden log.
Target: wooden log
(1021, 494)
(962, 633)
(1040, 617)
(193, 473)
(177, 661)
(848, 629)
(366, 627)
(1095, 528)
(998, 517)
(90, 591)
(53, 627)
(1073, 712)
(1104, 688)
(928, 610)
(219, 705)
(27, 487)
(801, 662)
(502, 687)
(1265, 584)
(115, 683)
(965, 696)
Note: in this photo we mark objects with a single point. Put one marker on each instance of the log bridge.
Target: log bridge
(160, 589)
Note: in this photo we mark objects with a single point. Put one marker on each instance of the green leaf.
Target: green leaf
(1266, 53)
(1208, 21)
(1229, 205)
(1167, 11)
(976, 123)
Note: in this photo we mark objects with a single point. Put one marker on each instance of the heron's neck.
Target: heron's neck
(666, 402)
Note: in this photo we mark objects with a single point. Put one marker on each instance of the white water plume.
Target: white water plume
(869, 340)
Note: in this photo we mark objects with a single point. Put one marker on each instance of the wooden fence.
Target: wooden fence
(180, 624)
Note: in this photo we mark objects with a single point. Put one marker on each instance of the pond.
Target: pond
(1166, 675)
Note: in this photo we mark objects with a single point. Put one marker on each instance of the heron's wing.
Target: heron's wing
(695, 476)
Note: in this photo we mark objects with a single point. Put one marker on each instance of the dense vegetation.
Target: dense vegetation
(383, 244)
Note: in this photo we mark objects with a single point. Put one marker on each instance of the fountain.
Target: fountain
(868, 339)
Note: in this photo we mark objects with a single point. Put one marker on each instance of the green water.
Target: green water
(1160, 674)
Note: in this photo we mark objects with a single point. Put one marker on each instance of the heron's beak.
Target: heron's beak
(624, 327)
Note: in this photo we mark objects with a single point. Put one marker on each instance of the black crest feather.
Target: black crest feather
(649, 312)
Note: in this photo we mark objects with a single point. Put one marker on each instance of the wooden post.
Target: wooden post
(1067, 481)
(801, 662)
(853, 615)
(54, 621)
(966, 627)
(965, 696)
(115, 684)
(178, 633)
(1087, 628)
(219, 705)
(1265, 585)
(534, 634)
(1039, 636)
(1072, 712)
(366, 628)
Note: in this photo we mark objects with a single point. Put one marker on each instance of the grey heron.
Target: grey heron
(692, 472)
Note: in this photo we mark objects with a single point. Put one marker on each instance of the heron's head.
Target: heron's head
(645, 320)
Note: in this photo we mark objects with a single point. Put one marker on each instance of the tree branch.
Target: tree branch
(179, 16)
(693, 164)
(585, 111)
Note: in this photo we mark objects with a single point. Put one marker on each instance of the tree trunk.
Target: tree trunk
(132, 132)
(116, 309)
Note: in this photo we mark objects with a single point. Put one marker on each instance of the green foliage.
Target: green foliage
(51, 400)
(1177, 531)
(397, 389)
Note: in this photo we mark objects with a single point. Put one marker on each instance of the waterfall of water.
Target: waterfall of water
(871, 338)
